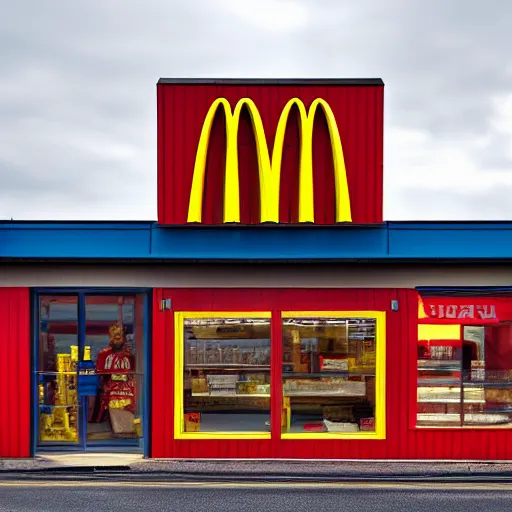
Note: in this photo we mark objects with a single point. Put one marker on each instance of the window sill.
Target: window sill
(222, 435)
(335, 435)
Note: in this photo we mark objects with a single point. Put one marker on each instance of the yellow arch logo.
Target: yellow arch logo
(269, 167)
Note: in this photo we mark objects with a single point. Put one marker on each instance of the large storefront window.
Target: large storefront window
(332, 367)
(225, 363)
(464, 364)
(333, 371)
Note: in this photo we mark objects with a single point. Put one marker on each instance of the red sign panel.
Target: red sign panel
(465, 310)
(270, 151)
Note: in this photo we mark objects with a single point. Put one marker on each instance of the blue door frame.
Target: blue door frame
(141, 445)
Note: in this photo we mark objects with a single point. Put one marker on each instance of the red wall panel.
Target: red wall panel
(358, 110)
(15, 358)
(403, 440)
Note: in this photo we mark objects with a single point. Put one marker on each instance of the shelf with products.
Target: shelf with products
(438, 364)
(449, 401)
(227, 366)
(228, 395)
(487, 384)
(469, 420)
(433, 393)
(441, 382)
(293, 375)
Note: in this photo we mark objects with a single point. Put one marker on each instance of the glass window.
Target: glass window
(465, 376)
(226, 370)
(439, 375)
(487, 375)
(329, 375)
(57, 400)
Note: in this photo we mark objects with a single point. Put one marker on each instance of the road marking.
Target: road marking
(451, 486)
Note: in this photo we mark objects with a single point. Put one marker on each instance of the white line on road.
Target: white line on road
(417, 486)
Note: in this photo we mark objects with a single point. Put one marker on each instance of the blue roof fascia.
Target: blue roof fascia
(75, 240)
(451, 240)
(391, 241)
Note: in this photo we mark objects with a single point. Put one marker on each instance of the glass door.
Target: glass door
(114, 345)
(90, 370)
(56, 371)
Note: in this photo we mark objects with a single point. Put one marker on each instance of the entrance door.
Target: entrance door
(90, 371)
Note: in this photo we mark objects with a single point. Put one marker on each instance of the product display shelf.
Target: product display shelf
(487, 384)
(45, 372)
(59, 406)
(226, 366)
(233, 395)
(470, 420)
(439, 369)
(441, 382)
(323, 394)
(358, 373)
(449, 401)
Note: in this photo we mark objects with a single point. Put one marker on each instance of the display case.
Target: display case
(456, 387)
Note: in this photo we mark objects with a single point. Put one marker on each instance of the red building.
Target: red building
(270, 312)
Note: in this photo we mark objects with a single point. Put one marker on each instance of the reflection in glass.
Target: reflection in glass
(328, 375)
(226, 375)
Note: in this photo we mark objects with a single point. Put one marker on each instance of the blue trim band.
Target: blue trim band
(392, 241)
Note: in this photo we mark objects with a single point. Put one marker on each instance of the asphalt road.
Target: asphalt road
(198, 497)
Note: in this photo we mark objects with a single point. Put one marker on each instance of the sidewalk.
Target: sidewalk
(133, 466)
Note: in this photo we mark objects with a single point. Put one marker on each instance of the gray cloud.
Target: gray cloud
(78, 102)
(490, 204)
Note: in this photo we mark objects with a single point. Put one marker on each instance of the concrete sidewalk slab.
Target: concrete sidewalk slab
(70, 460)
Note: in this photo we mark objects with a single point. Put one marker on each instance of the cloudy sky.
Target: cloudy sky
(78, 95)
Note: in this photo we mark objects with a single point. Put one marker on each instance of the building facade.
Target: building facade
(270, 312)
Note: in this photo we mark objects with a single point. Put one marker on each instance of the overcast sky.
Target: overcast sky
(78, 94)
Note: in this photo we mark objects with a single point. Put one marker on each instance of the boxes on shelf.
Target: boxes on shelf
(334, 426)
(330, 386)
(338, 413)
(367, 424)
(502, 396)
(222, 384)
(192, 422)
(199, 385)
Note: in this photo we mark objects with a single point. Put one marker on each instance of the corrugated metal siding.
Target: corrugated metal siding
(403, 440)
(181, 112)
(15, 362)
(398, 331)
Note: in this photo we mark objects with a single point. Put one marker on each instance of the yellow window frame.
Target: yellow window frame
(380, 374)
(179, 359)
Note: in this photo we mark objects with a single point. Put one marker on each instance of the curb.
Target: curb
(124, 473)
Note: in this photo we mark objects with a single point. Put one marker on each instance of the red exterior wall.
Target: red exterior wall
(15, 358)
(403, 440)
(358, 110)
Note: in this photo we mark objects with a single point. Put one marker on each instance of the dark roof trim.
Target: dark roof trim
(271, 81)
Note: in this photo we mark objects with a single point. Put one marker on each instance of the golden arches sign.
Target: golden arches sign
(269, 168)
